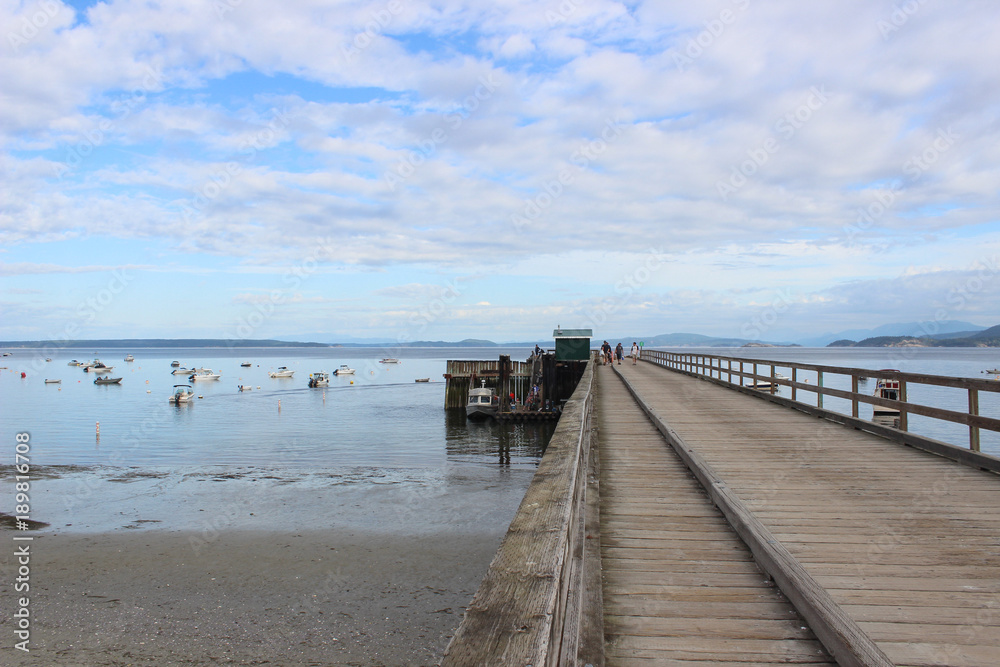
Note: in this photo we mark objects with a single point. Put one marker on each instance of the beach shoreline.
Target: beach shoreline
(246, 597)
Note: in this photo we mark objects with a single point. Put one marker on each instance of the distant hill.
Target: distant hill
(139, 343)
(984, 338)
(939, 330)
(698, 340)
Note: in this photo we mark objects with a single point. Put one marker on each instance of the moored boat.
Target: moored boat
(75, 363)
(320, 379)
(53, 381)
(887, 389)
(344, 370)
(482, 404)
(282, 372)
(204, 374)
(422, 380)
(246, 364)
(182, 394)
(389, 360)
(97, 367)
(129, 357)
(175, 364)
(107, 380)
(183, 371)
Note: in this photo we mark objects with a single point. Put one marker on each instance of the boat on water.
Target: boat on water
(204, 374)
(53, 381)
(129, 357)
(389, 360)
(107, 380)
(182, 394)
(889, 390)
(319, 379)
(183, 371)
(422, 380)
(344, 370)
(48, 358)
(175, 364)
(282, 372)
(245, 364)
(75, 363)
(993, 371)
(97, 367)
(482, 404)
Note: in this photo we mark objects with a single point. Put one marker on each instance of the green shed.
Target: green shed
(572, 344)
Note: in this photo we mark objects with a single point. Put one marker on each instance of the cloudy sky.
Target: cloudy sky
(410, 169)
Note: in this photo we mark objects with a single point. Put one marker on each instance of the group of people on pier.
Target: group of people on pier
(609, 355)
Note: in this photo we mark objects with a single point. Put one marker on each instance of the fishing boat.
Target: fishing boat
(182, 394)
(129, 357)
(204, 374)
(319, 379)
(482, 404)
(889, 390)
(53, 382)
(282, 372)
(107, 380)
(389, 360)
(344, 370)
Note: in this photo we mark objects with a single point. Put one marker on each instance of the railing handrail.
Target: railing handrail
(711, 365)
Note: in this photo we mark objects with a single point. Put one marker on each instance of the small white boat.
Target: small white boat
(53, 382)
(98, 367)
(175, 364)
(389, 360)
(183, 371)
(75, 363)
(204, 374)
(319, 379)
(993, 371)
(282, 372)
(344, 370)
(48, 358)
(129, 357)
(107, 380)
(483, 403)
(182, 394)
(422, 380)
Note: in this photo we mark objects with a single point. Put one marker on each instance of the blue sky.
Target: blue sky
(444, 170)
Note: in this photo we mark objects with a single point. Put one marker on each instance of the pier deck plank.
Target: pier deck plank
(679, 585)
(904, 541)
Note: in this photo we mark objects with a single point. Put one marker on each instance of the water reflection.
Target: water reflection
(507, 443)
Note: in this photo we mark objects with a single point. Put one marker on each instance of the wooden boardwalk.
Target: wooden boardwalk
(901, 547)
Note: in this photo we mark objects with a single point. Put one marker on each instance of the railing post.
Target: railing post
(795, 377)
(754, 375)
(819, 387)
(974, 411)
(854, 396)
(902, 407)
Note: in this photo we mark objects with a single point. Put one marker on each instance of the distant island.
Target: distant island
(986, 338)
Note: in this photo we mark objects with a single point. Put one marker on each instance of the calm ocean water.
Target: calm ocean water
(376, 448)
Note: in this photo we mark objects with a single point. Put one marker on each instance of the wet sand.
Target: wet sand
(244, 597)
(252, 566)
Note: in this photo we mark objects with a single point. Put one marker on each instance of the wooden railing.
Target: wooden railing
(540, 601)
(736, 372)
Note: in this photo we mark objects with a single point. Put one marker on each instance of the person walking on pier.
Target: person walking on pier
(634, 352)
(619, 352)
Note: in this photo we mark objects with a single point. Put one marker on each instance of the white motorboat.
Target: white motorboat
(75, 363)
(389, 360)
(53, 382)
(183, 371)
(98, 367)
(182, 394)
(175, 364)
(204, 374)
(319, 379)
(483, 403)
(129, 357)
(344, 370)
(282, 372)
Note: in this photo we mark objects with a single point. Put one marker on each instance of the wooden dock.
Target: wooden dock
(732, 530)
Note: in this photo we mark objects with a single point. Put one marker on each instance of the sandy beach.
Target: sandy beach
(246, 598)
(254, 567)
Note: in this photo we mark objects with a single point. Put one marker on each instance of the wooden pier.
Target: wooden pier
(680, 518)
